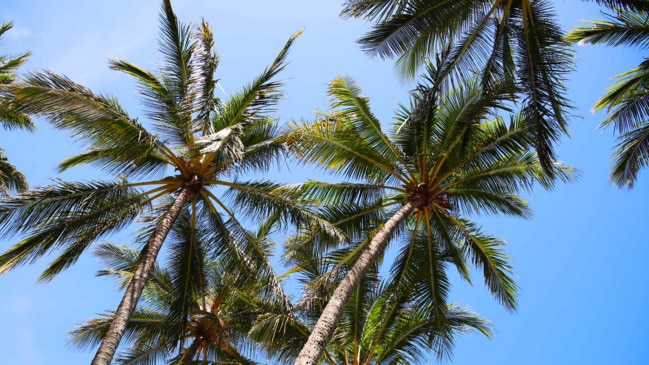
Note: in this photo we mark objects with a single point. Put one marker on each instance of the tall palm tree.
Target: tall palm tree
(200, 141)
(379, 325)
(200, 316)
(449, 157)
(519, 40)
(10, 178)
(627, 101)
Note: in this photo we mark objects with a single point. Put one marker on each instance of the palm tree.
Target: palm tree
(518, 40)
(10, 178)
(627, 101)
(204, 142)
(450, 156)
(200, 316)
(379, 325)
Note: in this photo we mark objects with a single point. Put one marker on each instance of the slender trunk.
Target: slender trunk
(126, 307)
(326, 324)
(191, 351)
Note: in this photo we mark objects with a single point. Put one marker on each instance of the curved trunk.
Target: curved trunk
(134, 290)
(324, 328)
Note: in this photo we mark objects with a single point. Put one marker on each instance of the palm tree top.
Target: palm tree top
(450, 155)
(202, 139)
(442, 136)
(188, 148)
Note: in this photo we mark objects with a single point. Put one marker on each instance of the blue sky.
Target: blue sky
(580, 261)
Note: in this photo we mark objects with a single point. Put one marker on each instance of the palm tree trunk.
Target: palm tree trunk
(134, 290)
(326, 324)
(191, 351)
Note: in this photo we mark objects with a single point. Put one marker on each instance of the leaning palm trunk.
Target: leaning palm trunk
(324, 328)
(124, 312)
(446, 157)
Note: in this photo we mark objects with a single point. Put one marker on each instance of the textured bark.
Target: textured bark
(134, 290)
(326, 324)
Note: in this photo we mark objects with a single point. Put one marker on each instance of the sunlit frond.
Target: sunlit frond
(67, 216)
(256, 99)
(627, 100)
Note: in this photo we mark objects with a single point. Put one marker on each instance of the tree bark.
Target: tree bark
(326, 324)
(191, 351)
(117, 327)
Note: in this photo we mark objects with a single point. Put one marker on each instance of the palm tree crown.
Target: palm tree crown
(203, 316)
(205, 142)
(450, 156)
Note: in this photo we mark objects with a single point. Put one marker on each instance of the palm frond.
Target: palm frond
(245, 255)
(333, 145)
(160, 103)
(371, 9)
(354, 110)
(119, 142)
(9, 64)
(406, 341)
(631, 155)
(420, 267)
(543, 61)
(142, 355)
(397, 31)
(624, 28)
(263, 199)
(11, 180)
(518, 41)
(176, 47)
(205, 62)
(485, 253)
(626, 100)
(256, 99)
(187, 265)
(90, 333)
(10, 115)
(263, 147)
(284, 334)
(68, 216)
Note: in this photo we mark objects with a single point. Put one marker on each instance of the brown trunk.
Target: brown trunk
(326, 324)
(191, 352)
(126, 307)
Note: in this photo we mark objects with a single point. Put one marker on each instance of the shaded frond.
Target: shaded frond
(624, 28)
(11, 180)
